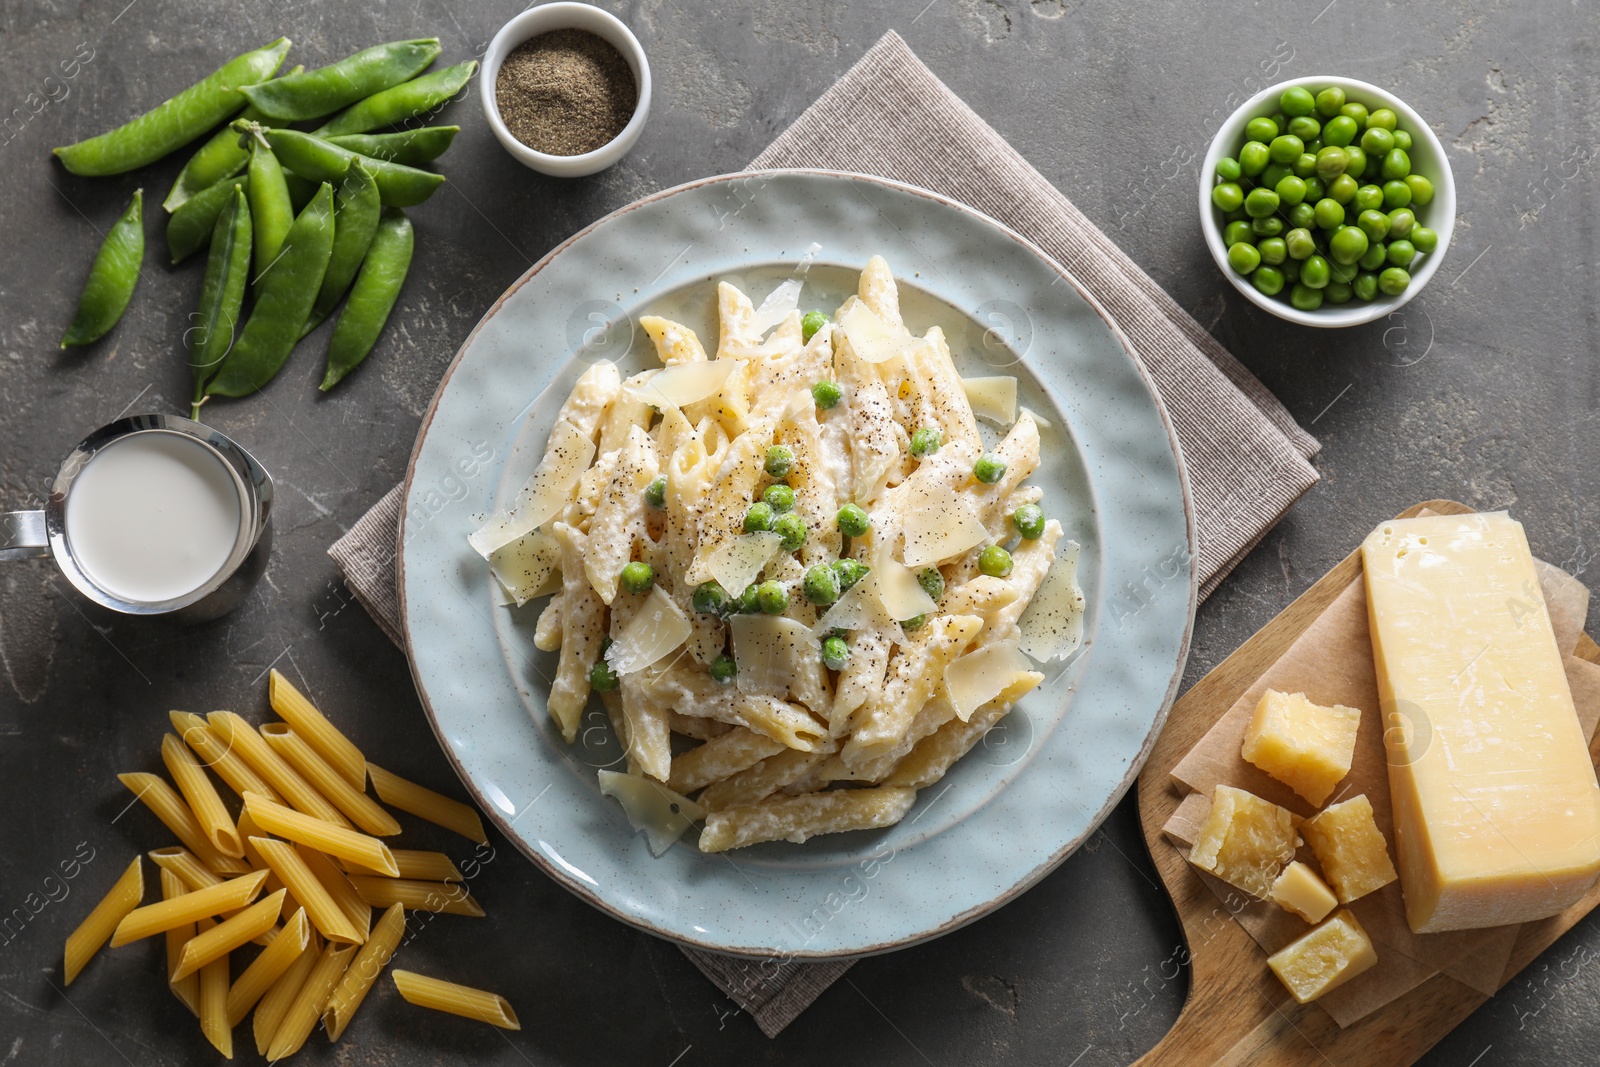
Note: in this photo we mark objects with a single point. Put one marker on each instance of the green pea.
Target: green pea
(1365, 286)
(1305, 298)
(759, 517)
(270, 210)
(372, 297)
(1261, 129)
(1402, 140)
(812, 321)
(853, 520)
(1297, 101)
(1377, 141)
(835, 653)
(355, 222)
(772, 598)
(1401, 253)
(1424, 239)
(1329, 101)
(820, 584)
(792, 528)
(1375, 256)
(1383, 119)
(927, 439)
(322, 161)
(916, 622)
(1396, 194)
(1303, 215)
(1029, 522)
(1261, 203)
(1329, 213)
(1393, 281)
(778, 497)
(931, 581)
(1401, 220)
(1356, 113)
(1273, 251)
(1271, 226)
(1235, 232)
(1331, 163)
(175, 122)
(190, 227)
(602, 679)
(655, 494)
(1314, 272)
(1280, 120)
(1368, 198)
(638, 577)
(410, 147)
(1305, 127)
(1291, 190)
(749, 601)
(995, 561)
(1236, 214)
(111, 279)
(319, 92)
(1275, 173)
(1305, 166)
(779, 461)
(283, 301)
(710, 599)
(1339, 131)
(1343, 273)
(826, 394)
(1348, 245)
(1342, 189)
(723, 669)
(1358, 161)
(1375, 224)
(1254, 157)
(1421, 189)
(1244, 258)
(1268, 280)
(1396, 164)
(221, 295)
(1299, 243)
(1316, 188)
(850, 571)
(400, 102)
(1290, 268)
(1286, 148)
(1337, 293)
(989, 469)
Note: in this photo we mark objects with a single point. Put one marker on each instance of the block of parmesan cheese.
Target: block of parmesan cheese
(1497, 813)
(1299, 891)
(1350, 848)
(1306, 746)
(1324, 959)
(1245, 840)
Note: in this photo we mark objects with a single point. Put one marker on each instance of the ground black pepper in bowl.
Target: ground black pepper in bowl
(565, 92)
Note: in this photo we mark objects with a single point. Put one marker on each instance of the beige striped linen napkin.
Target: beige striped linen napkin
(1247, 459)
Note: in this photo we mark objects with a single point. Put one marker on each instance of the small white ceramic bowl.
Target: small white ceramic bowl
(1427, 159)
(566, 16)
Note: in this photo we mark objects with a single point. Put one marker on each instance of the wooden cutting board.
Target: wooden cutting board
(1237, 1013)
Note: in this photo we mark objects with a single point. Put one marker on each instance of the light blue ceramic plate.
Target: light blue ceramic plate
(1019, 803)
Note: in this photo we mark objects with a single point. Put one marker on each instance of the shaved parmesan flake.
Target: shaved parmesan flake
(528, 567)
(940, 524)
(652, 635)
(776, 307)
(650, 806)
(1052, 623)
(872, 339)
(736, 562)
(897, 589)
(766, 649)
(993, 399)
(566, 457)
(1042, 422)
(685, 383)
(978, 677)
(858, 609)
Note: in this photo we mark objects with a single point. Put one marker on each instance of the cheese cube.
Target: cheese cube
(1324, 959)
(1245, 840)
(1497, 813)
(1305, 746)
(1350, 848)
(1299, 891)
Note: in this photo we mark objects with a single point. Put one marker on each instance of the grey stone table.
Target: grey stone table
(1484, 390)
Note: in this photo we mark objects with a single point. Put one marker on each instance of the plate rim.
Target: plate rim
(1057, 857)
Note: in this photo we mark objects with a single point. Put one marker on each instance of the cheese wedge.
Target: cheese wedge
(1350, 848)
(1497, 813)
(1324, 959)
(1299, 891)
(1307, 747)
(1245, 840)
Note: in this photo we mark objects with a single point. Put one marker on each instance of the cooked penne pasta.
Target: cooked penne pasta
(303, 1014)
(215, 753)
(450, 898)
(357, 910)
(186, 989)
(319, 904)
(102, 921)
(361, 809)
(763, 779)
(461, 1000)
(720, 757)
(314, 728)
(800, 818)
(363, 971)
(167, 806)
(204, 803)
(321, 835)
(913, 674)
(226, 936)
(297, 793)
(275, 1003)
(411, 863)
(190, 907)
(214, 1000)
(424, 803)
(935, 754)
(293, 940)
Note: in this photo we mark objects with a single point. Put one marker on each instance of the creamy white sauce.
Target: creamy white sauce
(153, 516)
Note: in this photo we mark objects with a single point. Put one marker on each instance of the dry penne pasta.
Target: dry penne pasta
(297, 793)
(204, 803)
(357, 910)
(214, 753)
(190, 907)
(361, 809)
(320, 907)
(800, 818)
(226, 936)
(363, 971)
(190, 872)
(321, 835)
(102, 921)
(411, 863)
(451, 898)
(186, 989)
(269, 966)
(424, 803)
(275, 1003)
(314, 728)
(167, 806)
(214, 1000)
(461, 1000)
(306, 1010)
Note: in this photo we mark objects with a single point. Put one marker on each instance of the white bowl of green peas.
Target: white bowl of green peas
(1327, 201)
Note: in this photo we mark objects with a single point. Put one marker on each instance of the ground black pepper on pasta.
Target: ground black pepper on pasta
(565, 92)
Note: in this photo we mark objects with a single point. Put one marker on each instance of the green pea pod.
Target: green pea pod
(323, 161)
(189, 228)
(355, 220)
(408, 147)
(301, 190)
(217, 160)
(111, 279)
(327, 89)
(176, 122)
(371, 298)
(402, 102)
(282, 303)
(270, 209)
(221, 295)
